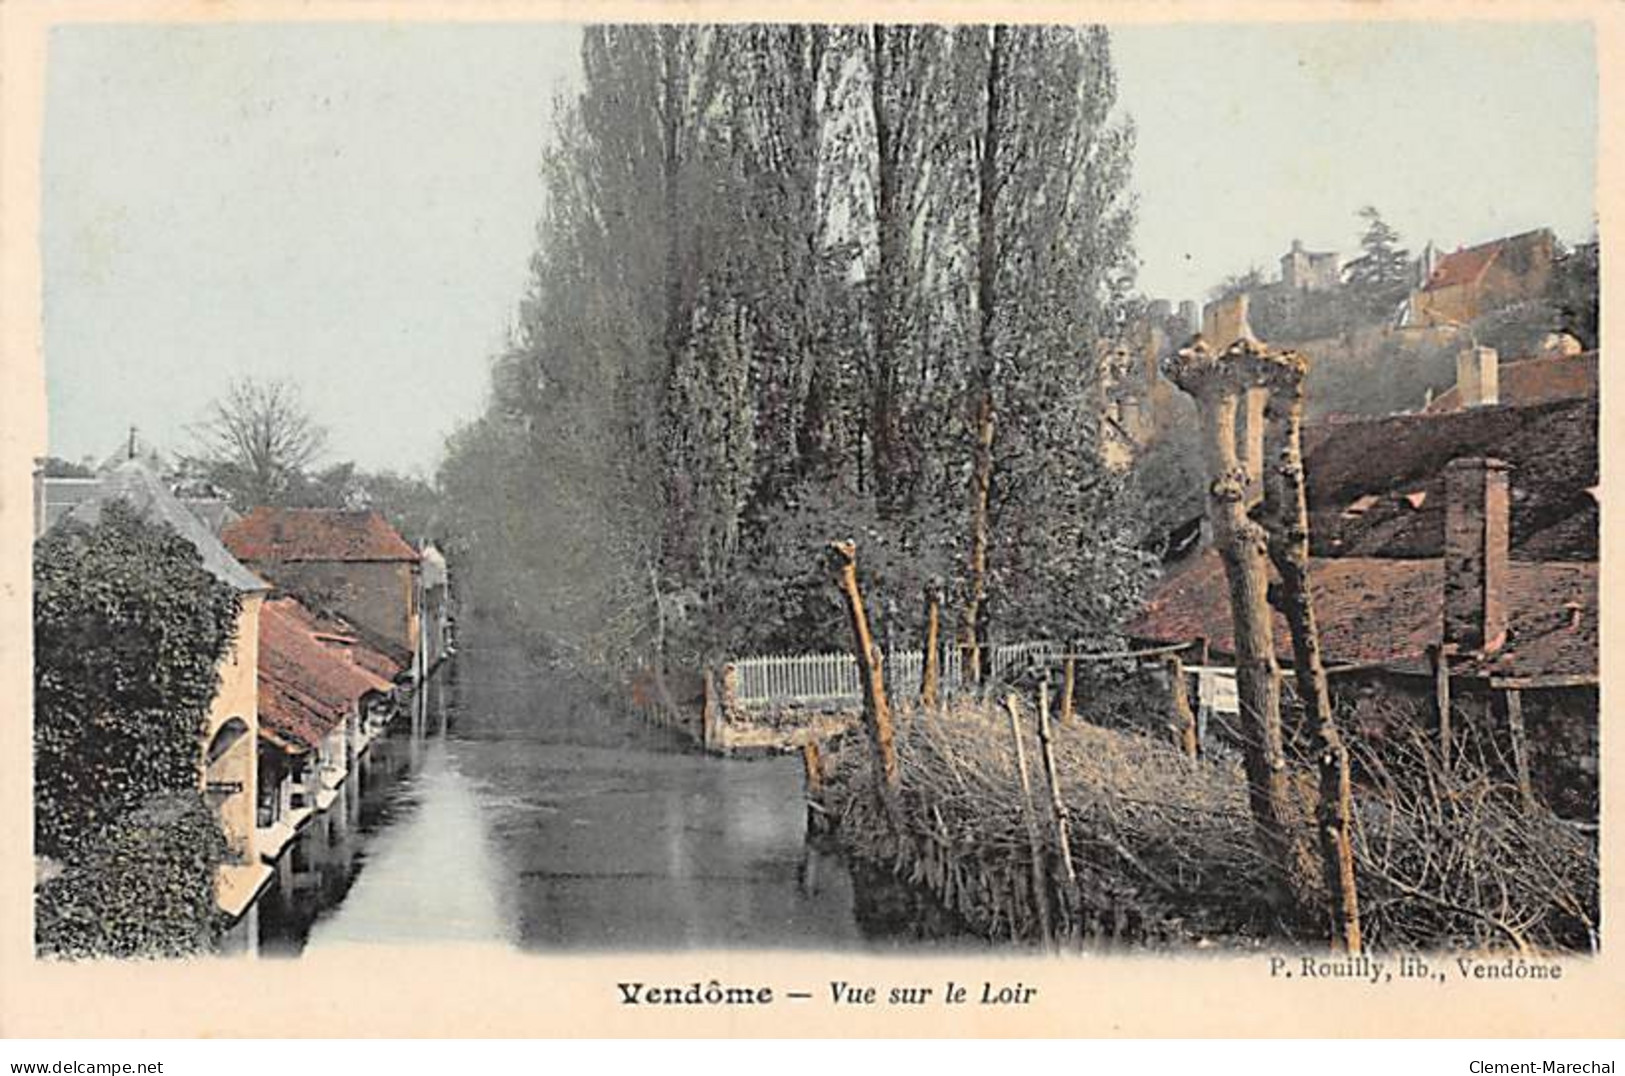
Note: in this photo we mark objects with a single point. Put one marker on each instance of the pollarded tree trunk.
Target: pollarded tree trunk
(1218, 384)
(1286, 513)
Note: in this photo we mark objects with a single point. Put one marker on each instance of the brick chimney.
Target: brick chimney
(1476, 552)
(1478, 377)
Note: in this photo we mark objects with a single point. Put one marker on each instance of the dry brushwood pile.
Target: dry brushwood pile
(1449, 856)
(1163, 846)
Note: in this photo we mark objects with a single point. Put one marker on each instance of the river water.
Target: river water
(511, 807)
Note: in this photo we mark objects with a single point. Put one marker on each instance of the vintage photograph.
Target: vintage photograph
(895, 488)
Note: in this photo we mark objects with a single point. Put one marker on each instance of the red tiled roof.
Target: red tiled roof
(1468, 266)
(307, 686)
(1535, 381)
(1380, 610)
(1464, 266)
(320, 534)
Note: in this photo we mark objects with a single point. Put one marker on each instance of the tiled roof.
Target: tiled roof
(315, 534)
(1535, 381)
(1464, 266)
(1468, 266)
(132, 482)
(1390, 611)
(375, 656)
(307, 686)
(1400, 461)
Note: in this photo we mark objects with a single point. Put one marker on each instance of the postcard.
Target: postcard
(878, 520)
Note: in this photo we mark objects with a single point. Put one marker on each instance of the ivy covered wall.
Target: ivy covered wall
(129, 629)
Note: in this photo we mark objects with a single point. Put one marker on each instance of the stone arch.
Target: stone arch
(228, 782)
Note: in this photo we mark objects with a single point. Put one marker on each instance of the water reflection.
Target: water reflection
(508, 807)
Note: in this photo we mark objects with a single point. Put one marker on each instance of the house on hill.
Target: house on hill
(226, 768)
(1473, 281)
(353, 564)
(1310, 270)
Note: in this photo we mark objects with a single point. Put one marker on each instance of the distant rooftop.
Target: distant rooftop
(1391, 611)
(1468, 265)
(316, 534)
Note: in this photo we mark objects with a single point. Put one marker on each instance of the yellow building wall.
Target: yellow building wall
(1441, 306)
(237, 697)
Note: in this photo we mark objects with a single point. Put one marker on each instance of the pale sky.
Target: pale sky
(1250, 137)
(352, 207)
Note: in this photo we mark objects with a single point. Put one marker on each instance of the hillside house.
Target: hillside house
(1310, 270)
(1473, 281)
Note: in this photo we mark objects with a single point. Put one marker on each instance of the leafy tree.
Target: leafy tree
(257, 442)
(1053, 242)
(56, 467)
(128, 631)
(1380, 278)
(1168, 479)
(1248, 282)
(1574, 292)
(1396, 376)
(753, 323)
(410, 502)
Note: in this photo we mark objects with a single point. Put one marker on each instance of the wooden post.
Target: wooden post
(1182, 718)
(1520, 747)
(1057, 803)
(1440, 661)
(1067, 684)
(876, 711)
(812, 760)
(1035, 845)
(930, 647)
(709, 711)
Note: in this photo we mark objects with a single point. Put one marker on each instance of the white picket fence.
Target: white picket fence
(825, 681)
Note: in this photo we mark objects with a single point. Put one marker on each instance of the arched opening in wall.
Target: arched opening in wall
(228, 783)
